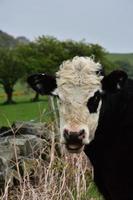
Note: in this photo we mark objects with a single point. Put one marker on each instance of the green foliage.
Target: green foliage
(10, 67)
(47, 53)
(7, 41)
(82, 48)
(11, 71)
(50, 52)
(43, 55)
(28, 56)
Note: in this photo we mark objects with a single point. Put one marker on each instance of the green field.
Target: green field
(121, 57)
(24, 109)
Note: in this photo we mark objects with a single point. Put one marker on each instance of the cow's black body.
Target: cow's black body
(111, 151)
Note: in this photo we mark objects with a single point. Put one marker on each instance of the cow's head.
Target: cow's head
(78, 85)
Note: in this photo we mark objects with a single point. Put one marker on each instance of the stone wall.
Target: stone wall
(20, 148)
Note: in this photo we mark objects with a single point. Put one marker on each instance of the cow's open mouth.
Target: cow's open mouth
(74, 148)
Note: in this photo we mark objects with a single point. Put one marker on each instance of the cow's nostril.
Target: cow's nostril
(81, 134)
(74, 137)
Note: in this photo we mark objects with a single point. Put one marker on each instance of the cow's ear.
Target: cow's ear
(42, 83)
(114, 82)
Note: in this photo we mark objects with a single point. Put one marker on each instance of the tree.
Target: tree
(11, 70)
(43, 55)
(47, 53)
(51, 53)
(82, 48)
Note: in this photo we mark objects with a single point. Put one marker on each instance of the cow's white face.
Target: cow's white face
(78, 90)
(78, 85)
(76, 118)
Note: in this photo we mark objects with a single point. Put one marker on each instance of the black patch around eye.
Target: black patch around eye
(93, 102)
(100, 72)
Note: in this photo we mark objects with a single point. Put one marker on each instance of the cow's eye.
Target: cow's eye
(93, 102)
(100, 72)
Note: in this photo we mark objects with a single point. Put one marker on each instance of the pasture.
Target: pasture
(23, 109)
(121, 57)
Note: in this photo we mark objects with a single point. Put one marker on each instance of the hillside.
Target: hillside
(7, 40)
(10, 41)
(123, 61)
(121, 57)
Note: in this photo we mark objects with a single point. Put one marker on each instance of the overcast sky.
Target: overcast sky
(106, 22)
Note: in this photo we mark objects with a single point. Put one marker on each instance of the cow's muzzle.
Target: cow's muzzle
(74, 140)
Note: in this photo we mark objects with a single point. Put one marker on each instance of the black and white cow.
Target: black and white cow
(96, 115)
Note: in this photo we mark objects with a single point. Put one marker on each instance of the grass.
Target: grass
(23, 110)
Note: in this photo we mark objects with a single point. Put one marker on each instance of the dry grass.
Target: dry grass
(62, 178)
